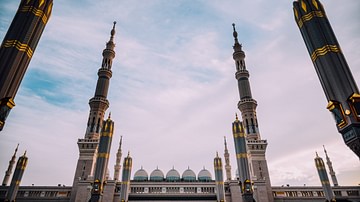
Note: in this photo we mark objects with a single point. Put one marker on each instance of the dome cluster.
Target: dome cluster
(172, 176)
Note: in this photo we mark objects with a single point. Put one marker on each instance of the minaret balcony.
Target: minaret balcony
(105, 72)
(242, 73)
(99, 100)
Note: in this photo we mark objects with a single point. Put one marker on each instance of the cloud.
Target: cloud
(173, 93)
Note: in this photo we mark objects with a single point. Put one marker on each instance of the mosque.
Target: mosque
(92, 182)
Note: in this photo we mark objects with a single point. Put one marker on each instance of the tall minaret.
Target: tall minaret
(335, 76)
(256, 146)
(18, 47)
(117, 166)
(125, 181)
(320, 166)
(227, 161)
(88, 146)
(102, 159)
(16, 179)
(331, 170)
(9, 170)
(219, 179)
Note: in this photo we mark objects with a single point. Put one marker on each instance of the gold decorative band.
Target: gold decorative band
(309, 16)
(103, 155)
(241, 155)
(36, 12)
(18, 45)
(219, 182)
(323, 51)
(218, 167)
(125, 182)
(239, 135)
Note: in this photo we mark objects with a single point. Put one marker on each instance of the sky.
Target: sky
(173, 94)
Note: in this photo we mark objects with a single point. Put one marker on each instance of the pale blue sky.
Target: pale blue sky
(173, 94)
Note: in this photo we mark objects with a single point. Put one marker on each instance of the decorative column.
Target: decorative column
(332, 69)
(242, 161)
(102, 159)
(219, 179)
(16, 179)
(320, 166)
(125, 182)
(18, 48)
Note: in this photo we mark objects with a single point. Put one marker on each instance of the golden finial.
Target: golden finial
(236, 116)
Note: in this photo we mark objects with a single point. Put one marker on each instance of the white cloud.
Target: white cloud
(173, 94)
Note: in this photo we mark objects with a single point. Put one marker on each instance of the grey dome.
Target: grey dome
(157, 175)
(173, 175)
(141, 175)
(204, 175)
(189, 175)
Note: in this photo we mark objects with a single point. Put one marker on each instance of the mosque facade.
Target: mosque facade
(92, 182)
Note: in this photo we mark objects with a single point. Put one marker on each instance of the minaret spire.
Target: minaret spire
(331, 170)
(9, 170)
(88, 146)
(227, 161)
(117, 166)
(256, 146)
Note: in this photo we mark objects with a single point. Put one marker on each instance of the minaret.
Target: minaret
(256, 146)
(331, 170)
(102, 159)
(9, 170)
(16, 179)
(320, 166)
(332, 69)
(18, 48)
(242, 160)
(125, 182)
(219, 179)
(227, 161)
(117, 166)
(98, 104)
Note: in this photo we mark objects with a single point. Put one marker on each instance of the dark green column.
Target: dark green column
(18, 48)
(332, 69)
(102, 159)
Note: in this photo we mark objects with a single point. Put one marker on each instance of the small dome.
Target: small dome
(141, 175)
(189, 175)
(204, 175)
(173, 175)
(157, 175)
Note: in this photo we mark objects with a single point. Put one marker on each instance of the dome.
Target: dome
(157, 175)
(141, 175)
(189, 175)
(204, 175)
(173, 175)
